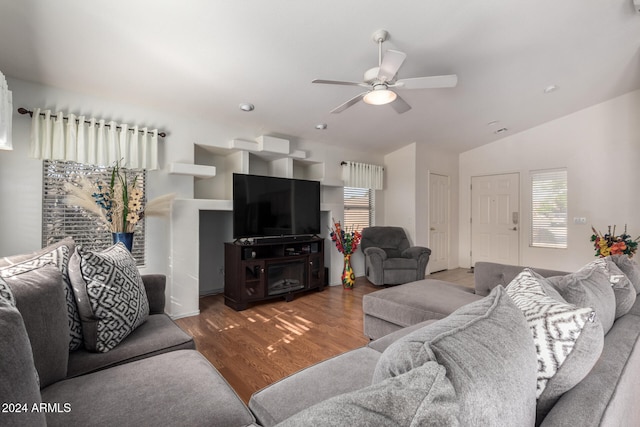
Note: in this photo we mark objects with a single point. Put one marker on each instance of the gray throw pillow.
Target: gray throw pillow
(422, 397)
(19, 385)
(489, 355)
(568, 339)
(630, 268)
(57, 254)
(110, 294)
(589, 287)
(39, 296)
(623, 289)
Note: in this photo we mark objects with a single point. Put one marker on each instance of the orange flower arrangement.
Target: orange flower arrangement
(610, 244)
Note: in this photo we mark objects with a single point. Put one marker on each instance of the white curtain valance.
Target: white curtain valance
(6, 114)
(92, 141)
(362, 175)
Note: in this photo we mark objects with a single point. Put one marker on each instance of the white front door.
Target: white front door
(495, 218)
(438, 222)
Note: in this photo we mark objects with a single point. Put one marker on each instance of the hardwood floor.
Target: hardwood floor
(270, 340)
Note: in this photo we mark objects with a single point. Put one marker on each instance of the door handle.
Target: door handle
(514, 229)
(432, 229)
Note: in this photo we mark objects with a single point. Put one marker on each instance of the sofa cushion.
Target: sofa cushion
(159, 334)
(400, 263)
(630, 268)
(341, 374)
(489, 355)
(5, 292)
(179, 388)
(39, 296)
(19, 386)
(588, 287)
(110, 295)
(568, 339)
(423, 396)
(57, 254)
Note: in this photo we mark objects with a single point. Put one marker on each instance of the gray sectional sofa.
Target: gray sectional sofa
(482, 338)
(154, 376)
(442, 355)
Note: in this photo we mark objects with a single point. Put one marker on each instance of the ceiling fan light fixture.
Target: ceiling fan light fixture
(380, 97)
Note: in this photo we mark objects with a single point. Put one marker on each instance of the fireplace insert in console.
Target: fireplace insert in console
(286, 276)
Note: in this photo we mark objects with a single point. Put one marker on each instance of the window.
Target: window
(60, 220)
(549, 208)
(358, 208)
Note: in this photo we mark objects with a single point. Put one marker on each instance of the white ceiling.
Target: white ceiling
(204, 58)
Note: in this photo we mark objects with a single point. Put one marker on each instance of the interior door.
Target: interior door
(495, 218)
(438, 222)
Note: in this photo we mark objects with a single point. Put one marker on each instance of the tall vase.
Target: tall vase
(348, 277)
(125, 238)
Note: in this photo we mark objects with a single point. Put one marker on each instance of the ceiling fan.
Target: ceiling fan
(379, 80)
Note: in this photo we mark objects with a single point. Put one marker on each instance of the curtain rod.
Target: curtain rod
(30, 113)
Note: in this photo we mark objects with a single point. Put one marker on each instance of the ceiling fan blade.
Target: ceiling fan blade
(400, 105)
(431, 82)
(390, 65)
(349, 103)
(336, 82)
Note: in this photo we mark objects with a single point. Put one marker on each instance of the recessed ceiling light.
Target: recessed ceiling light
(492, 123)
(501, 130)
(550, 88)
(321, 126)
(247, 106)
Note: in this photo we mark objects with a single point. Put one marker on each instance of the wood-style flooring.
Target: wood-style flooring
(270, 340)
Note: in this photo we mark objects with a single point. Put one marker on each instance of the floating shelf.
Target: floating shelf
(199, 171)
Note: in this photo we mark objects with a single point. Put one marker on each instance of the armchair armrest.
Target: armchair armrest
(154, 285)
(416, 252)
(376, 252)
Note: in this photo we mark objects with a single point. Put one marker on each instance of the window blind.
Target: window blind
(549, 208)
(358, 208)
(60, 220)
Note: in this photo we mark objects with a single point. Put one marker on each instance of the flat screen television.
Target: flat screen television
(266, 206)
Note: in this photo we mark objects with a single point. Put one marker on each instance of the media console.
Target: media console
(271, 268)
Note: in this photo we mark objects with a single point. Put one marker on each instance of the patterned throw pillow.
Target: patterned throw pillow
(5, 292)
(569, 340)
(110, 294)
(58, 255)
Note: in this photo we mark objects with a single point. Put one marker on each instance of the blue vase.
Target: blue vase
(125, 238)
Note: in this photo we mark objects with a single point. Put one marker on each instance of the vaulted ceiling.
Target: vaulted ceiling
(204, 58)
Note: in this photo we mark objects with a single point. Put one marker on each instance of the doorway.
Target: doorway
(438, 222)
(495, 218)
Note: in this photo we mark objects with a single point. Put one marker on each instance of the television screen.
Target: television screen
(270, 206)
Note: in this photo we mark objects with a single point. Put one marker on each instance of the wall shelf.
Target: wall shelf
(198, 171)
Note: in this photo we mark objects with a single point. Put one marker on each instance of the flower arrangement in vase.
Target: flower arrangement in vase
(610, 244)
(346, 242)
(118, 203)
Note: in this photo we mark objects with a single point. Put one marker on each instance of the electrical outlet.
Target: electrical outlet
(579, 220)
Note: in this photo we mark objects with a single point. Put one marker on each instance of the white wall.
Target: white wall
(407, 191)
(599, 146)
(21, 184)
(400, 189)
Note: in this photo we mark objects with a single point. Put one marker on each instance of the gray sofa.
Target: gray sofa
(488, 353)
(153, 377)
